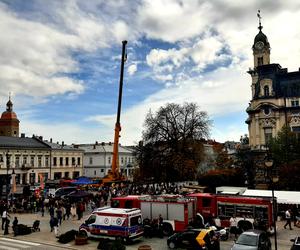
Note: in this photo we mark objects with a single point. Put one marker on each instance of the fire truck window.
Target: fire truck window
(128, 204)
(261, 212)
(134, 221)
(245, 211)
(206, 202)
(115, 204)
(226, 210)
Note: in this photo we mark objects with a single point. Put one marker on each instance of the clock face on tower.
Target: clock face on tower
(259, 45)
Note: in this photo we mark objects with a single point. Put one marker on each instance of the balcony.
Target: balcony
(26, 167)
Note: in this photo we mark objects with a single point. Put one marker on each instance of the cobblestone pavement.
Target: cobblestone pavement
(45, 237)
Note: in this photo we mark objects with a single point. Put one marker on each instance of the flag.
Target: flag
(41, 180)
(14, 186)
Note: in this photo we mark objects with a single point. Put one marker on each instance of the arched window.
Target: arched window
(266, 91)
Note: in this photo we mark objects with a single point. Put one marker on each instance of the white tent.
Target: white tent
(283, 197)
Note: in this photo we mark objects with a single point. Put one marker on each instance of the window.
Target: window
(260, 61)
(295, 103)
(61, 161)
(206, 202)
(91, 160)
(122, 160)
(296, 129)
(266, 91)
(17, 161)
(73, 161)
(32, 160)
(102, 170)
(78, 161)
(47, 161)
(18, 176)
(95, 172)
(267, 110)
(109, 160)
(39, 161)
(268, 135)
(134, 221)
(67, 161)
(24, 159)
(91, 219)
(32, 178)
(54, 161)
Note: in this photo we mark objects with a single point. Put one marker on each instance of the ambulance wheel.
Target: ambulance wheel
(83, 233)
(172, 245)
(122, 240)
(167, 229)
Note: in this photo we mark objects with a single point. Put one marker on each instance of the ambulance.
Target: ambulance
(117, 223)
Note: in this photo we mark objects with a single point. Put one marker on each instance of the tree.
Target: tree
(173, 147)
(284, 149)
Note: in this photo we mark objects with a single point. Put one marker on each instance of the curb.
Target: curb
(44, 243)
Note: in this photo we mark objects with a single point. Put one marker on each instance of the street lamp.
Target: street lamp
(269, 164)
(7, 179)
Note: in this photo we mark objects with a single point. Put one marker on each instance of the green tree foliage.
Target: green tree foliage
(173, 147)
(284, 149)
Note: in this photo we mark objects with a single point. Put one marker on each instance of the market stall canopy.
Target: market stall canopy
(83, 181)
(283, 197)
(77, 194)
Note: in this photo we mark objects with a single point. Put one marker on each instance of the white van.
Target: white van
(115, 223)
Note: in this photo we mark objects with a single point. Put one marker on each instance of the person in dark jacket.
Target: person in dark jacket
(14, 225)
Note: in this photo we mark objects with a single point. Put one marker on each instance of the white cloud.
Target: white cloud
(220, 93)
(132, 69)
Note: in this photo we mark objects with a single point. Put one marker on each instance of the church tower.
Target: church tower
(9, 123)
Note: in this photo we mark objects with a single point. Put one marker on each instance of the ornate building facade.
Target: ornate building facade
(275, 96)
(30, 159)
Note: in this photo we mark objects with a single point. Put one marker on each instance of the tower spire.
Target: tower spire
(259, 20)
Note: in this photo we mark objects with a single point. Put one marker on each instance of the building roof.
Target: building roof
(103, 148)
(57, 146)
(8, 142)
(261, 37)
(285, 84)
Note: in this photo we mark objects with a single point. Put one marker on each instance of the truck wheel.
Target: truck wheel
(167, 229)
(172, 245)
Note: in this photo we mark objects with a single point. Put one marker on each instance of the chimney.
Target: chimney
(62, 143)
(94, 146)
(103, 143)
(41, 138)
(51, 140)
(22, 135)
(96, 142)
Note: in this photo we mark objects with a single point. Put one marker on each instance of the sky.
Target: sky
(60, 61)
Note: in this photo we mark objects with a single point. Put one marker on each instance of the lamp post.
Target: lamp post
(269, 164)
(7, 179)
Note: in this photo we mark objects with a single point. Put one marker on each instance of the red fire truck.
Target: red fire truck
(248, 208)
(177, 211)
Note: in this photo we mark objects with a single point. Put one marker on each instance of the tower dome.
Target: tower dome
(9, 123)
